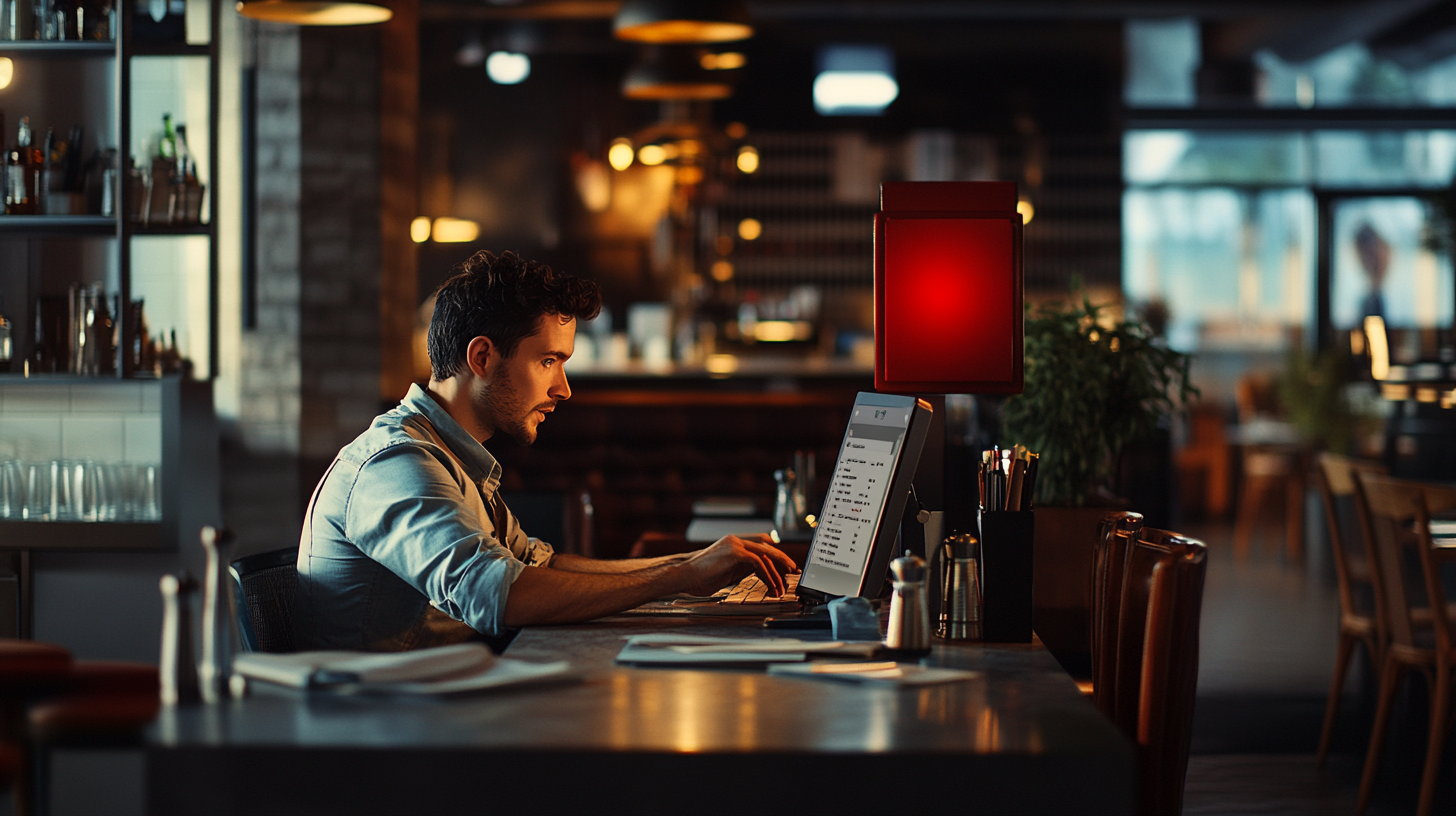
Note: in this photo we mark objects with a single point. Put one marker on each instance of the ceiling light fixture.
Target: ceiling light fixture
(506, 68)
(668, 72)
(314, 12)
(682, 21)
(854, 80)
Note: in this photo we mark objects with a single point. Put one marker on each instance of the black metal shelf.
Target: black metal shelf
(172, 229)
(58, 224)
(50, 48)
(170, 50)
(71, 536)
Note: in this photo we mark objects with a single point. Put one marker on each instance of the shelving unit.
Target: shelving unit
(122, 54)
(125, 419)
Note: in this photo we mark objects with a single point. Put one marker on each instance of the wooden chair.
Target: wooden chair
(1270, 470)
(1335, 477)
(1400, 512)
(1157, 661)
(49, 700)
(1109, 556)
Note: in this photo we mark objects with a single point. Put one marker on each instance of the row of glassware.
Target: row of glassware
(79, 490)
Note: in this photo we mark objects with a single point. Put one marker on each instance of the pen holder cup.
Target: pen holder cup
(1006, 575)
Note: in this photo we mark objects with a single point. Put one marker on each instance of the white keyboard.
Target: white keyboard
(751, 590)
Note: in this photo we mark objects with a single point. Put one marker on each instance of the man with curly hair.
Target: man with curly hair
(407, 543)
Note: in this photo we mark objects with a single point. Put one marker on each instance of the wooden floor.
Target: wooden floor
(1268, 644)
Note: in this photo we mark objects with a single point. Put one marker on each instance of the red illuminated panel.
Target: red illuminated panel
(948, 303)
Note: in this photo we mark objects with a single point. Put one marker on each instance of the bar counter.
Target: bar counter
(1018, 739)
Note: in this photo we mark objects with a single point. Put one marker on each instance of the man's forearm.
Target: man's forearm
(544, 595)
(578, 563)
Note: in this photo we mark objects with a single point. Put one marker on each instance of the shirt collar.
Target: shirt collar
(477, 461)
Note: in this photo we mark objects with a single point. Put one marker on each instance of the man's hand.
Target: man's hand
(730, 558)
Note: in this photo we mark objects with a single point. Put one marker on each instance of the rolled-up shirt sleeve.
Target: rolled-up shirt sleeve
(408, 512)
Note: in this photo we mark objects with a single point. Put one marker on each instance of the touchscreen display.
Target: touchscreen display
(857, 492)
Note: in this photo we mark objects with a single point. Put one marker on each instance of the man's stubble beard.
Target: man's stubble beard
(501, 410)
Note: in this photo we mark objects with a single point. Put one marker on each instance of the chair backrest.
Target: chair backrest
(1335, 477)
(267, 591)
(1115, 534)
(1400, 512)
(1157, 660)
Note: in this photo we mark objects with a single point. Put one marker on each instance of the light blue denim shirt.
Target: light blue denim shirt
(407, 524)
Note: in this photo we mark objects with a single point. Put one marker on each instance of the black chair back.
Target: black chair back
(267, 590)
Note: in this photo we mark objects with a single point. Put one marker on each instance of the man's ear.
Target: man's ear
(481, 356)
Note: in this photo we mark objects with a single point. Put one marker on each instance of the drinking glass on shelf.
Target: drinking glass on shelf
(12, 490)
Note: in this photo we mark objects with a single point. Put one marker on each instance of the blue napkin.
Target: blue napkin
(854, 619)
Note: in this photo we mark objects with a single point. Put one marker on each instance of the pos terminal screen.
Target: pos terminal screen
(845, 537)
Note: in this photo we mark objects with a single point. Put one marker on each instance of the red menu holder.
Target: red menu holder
(948, 288)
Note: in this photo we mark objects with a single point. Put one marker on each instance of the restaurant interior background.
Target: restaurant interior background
(1255, 180)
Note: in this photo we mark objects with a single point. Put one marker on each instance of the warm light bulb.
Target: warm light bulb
(420, 230)
(7, 71)
(620, 154)
(455, 231)
(747, 159)
(749, 229)
(1379, 347)
(1023, 206)
(722, 271)
(726, 61)
(652, 155)
(721, 364)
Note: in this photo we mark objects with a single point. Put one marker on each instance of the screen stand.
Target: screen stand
(813, 618)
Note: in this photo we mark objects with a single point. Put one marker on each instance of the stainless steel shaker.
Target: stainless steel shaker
(960, 606)
(909, 628)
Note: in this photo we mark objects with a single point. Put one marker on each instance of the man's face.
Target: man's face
(523, 388)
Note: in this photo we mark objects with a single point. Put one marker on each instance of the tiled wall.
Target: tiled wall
(104, 421)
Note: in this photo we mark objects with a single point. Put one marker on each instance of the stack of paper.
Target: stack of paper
(442, 670)
(673, 649)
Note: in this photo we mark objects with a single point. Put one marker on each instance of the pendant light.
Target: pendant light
(682, 21)
(314, 12)
(673, 72)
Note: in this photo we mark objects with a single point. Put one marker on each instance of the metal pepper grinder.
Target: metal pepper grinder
(219, 617)
(178, 669)
(909, 629)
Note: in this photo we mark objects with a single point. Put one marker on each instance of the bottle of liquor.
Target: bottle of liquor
(189, 191)
(167, 147)
(7, 346)
(21, 174)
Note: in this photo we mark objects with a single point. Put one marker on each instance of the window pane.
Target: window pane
(1381, 266)
(1417, 158)
(1235, 268)
(1162, 56)
(1190, 157)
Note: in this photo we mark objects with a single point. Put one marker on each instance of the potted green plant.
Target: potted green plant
(1094, 385)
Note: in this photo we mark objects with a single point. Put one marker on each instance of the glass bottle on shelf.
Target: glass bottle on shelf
(21, 174)
(7, 346)
(187, 190)
(164, 165)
